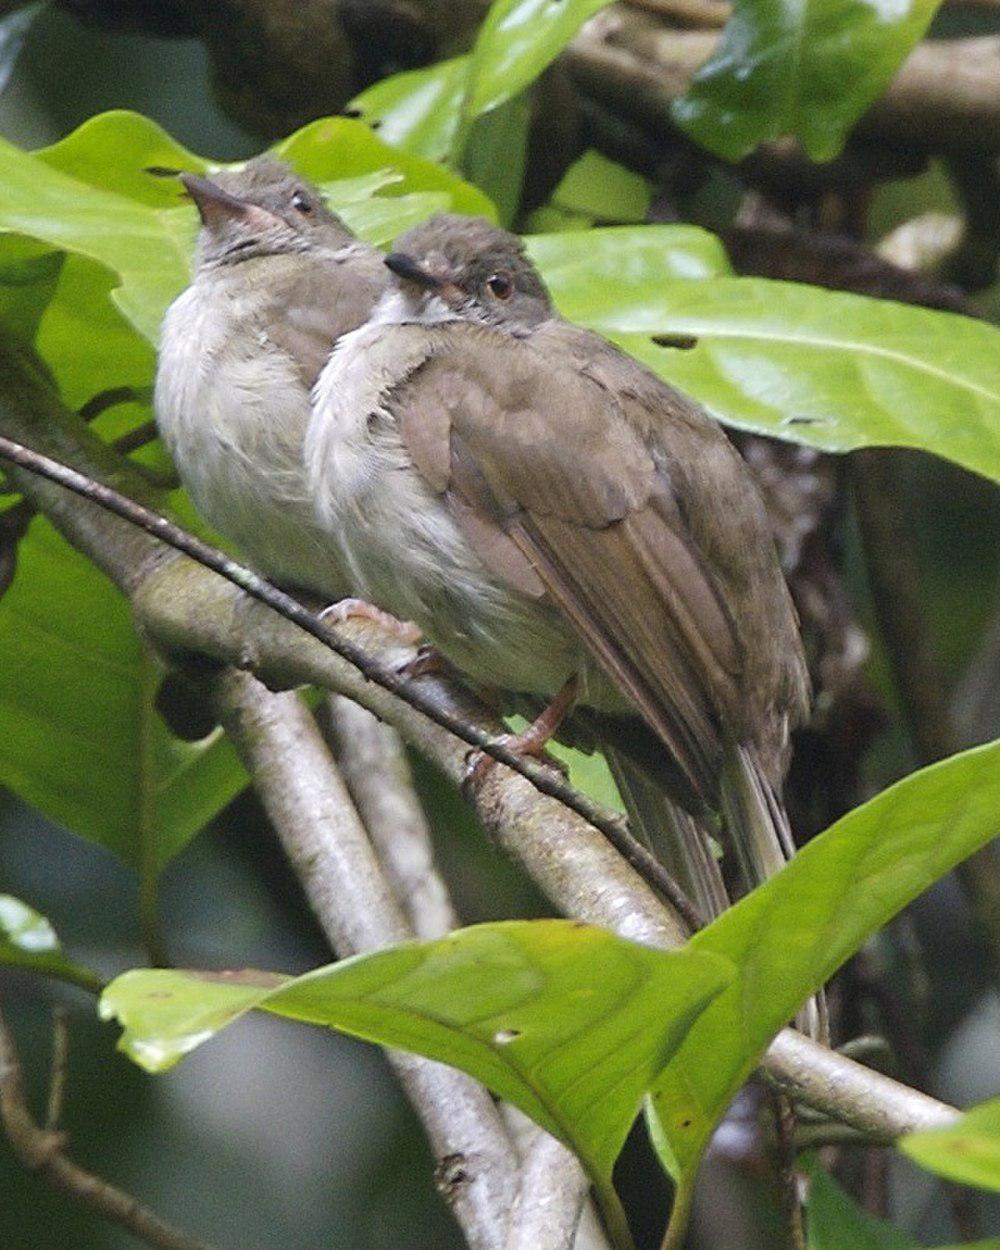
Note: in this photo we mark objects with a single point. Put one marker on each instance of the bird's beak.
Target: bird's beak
(217, 207)
(404, 266)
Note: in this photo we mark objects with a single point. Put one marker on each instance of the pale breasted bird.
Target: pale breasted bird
(278, 278)
(558, 519)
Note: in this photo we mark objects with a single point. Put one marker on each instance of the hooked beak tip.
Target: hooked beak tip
(406, 267)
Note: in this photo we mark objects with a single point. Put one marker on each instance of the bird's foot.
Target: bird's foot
(530, 742)
(427, 662)
(345, 609)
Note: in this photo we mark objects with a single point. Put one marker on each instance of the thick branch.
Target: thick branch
(945, 96)
(312, 813)
(552, 1184)
(41, 1151)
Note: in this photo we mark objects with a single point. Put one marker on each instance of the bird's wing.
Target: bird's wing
(550, 461)
(323, 301)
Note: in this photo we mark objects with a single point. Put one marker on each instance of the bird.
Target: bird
(277, 279)
(564, 525)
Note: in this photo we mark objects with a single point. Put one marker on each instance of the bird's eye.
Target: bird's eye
(501, 284)
(302, 202)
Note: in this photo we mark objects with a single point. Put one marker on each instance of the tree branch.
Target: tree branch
(389, 677)
(945, 96)
(41, 1151)
(322, 834)
(374, 766)
(191, 611)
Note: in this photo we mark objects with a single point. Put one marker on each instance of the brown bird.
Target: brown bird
(563, 524)
(278, 279)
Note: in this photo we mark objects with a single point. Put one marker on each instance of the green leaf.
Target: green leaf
(431, 111)
(794, 932)
(496, 155)
(419, 110)
(834, 1222)
(569, 1023)
(808, 70)
(824, 368)
(81, 739)
(29, 942)
(967, 1152)
(596, 187)
(516, 42)
(333, 149)
(608, 278)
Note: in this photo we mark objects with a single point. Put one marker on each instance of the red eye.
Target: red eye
(501, 284)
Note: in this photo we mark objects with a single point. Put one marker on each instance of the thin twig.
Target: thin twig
(791, 1206)
(58, 1067)
(42, 1151)
(322, 834)
(545, 779)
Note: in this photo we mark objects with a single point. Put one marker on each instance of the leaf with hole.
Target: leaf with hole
(569, 1023)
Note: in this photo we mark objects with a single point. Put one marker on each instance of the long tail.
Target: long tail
(675, 837)
(756, 830)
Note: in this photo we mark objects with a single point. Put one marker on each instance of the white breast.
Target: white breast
(233, 412)
(400, 541)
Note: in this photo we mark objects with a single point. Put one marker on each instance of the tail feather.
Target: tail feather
(757, 835)
(678, 840)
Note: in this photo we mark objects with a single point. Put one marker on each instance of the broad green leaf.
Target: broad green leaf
(81, 739)
(967, 1152)
(794, 932)
(568, 1022)
(835, 1222)
(496, 154)
(808, 69)
(603, 190)
(825, 368)
(336, 148)
(516, 42)
(28, 941)
(419, 110)
(608, 277)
